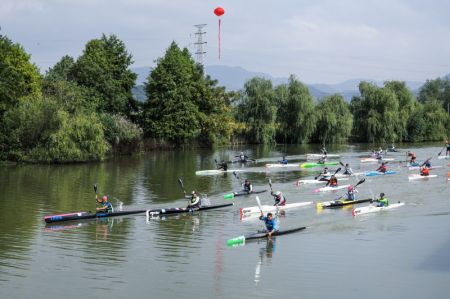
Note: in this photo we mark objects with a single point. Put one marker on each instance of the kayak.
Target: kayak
(87, 215)
(242, 193)
(267, 208)
(341, 175)
(318, 156)
(260, 235)
(310, 165)
(174, 211)
(300, 182)
(282, 165)
(328, 188)
(216, 171)
(443, 157)
(340, 203)
(375, 173)
(363, 160)
(418, 167)
(372, 209)
(418, 176)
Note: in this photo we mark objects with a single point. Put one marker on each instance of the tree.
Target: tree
(436, 90)
(405, 106)
(258, 111)
(334, 120)
(104, 69)
(428, 122)
(19, 78)
(298, 120)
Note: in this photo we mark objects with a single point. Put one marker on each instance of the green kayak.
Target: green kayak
(310, 165)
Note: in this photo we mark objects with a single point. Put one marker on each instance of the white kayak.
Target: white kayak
(267, 208)
(373, 209)
(341, 175)
(364, 160)
(443, 157)
(328, 188)
(216, 171)
(318, 156)
(282, 165)
(419, 177)
(301, 182)
(418, 167)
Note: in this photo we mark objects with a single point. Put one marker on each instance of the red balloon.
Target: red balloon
(219, 11)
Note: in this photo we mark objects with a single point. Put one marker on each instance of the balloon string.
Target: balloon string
(219, 38)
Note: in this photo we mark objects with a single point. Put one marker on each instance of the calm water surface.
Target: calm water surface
(402, 253)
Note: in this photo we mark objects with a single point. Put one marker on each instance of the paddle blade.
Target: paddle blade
(360, 182)
(236, 241)
(259, 203)
(95, 188)
(337, 170)
(342, 164)
(319, 205)
(229, 196)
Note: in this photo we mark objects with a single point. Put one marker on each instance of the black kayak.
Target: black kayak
(260, 235)
(242, 193)
(341, 203)
(88, 215)
(174, 211)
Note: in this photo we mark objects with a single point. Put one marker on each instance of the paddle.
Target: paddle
(442, 150)
(259, 204)
(354, 187)
(270, 184)
(180, 182)
(425, 162)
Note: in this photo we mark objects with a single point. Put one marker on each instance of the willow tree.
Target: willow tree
(334, 120)
(297, 123)
(436, 90)
(258, 111)
(375, 114)
(405, 107)
(428, 122)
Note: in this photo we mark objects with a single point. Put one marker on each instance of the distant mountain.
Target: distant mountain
(234, 78)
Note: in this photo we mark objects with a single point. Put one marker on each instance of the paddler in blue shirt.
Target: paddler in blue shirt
(271, 224)
(103, 205)
(284, 161)
(247, 186)
(382, 201)
(351, 193)
(194, 200)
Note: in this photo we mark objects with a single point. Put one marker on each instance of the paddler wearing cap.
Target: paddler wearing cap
(194, 200)
(103, 205)
(279, 198)
(382, 201)
(351, 193)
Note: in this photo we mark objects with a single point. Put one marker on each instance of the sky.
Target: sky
(320, 41)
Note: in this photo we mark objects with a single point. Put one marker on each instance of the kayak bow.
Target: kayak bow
(260, 235)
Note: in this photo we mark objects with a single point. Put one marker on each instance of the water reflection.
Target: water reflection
(265, 253)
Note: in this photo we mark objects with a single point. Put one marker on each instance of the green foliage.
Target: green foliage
(119, 130)
(258, 111)
(62, 70)
(405, 106)
(436, 90)
(334, 120)
(182, 104)
(103, 68)
(19, 78)
(298, 120)
(428, 122)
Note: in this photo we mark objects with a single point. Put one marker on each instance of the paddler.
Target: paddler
(271, 224)
(351, 193)
(222, 165)
(379, 154)
(279, 198)
(447, 145)
(427, 163)
(324, 151)
(322, 159)
(325, 175)
(247, 186)
(382, 168)
(413, 157)
(392, 148)
(424, 171)
(284, 161)
(347, 169)
(242, 157)
(194, 200)
(103, 205)
(332, 182)
(382, 201)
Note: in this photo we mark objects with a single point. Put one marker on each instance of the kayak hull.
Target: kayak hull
(376, 173)
(418, 167)
(301, 182)
(267, 208)
(368, 160)
(340, 203)
(282, 165)
(87, 215)
(326, 189)
(311, 165)
(238, 241)
(175, 211)
(216, 171)
(374, 209)
(242, 193)
(413, 177)
(319, 156)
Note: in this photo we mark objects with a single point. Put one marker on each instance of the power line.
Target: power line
(200, 53)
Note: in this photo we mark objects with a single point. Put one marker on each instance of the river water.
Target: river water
(401, 253)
